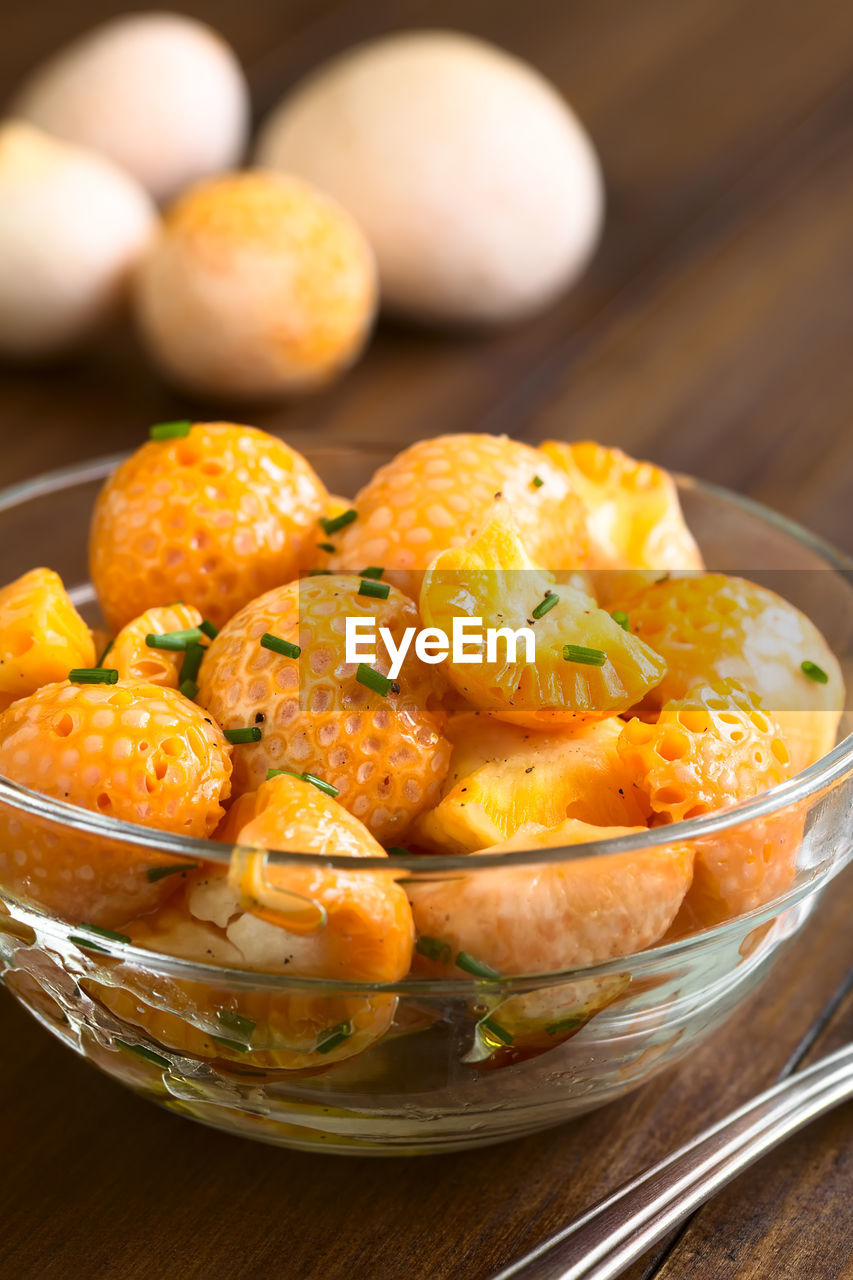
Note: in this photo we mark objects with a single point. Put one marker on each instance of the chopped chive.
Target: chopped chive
(621, 619)
(100, 661)
(587, 657)
(319, 573)
(89, 946)
(277, 645)
(470, 965)
(235, 1045)
(374, 680)
(814, 672)
(499, 1032)
(290, 773)
(372, 571)
(334, 1036)
(191, 664)
(93, 675)
(189, 689)
(208, 629)
(321, 784)
(231, 1021)
(333, 524)
(379, 590)
(174, 640)
(433, 948)
(237, 737)
(148, 1054)
(397, 851)
(107, 934)
(537, 482)
(169, 430)
(546, 605)
(565, 1024)
(153, 874)
(327, 546)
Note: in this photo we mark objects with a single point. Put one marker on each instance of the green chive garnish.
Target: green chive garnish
(621, 619)
(374, 680)
(372, 571)
(189, 689)
(319, 573)
(89, 946)
(236, 1046)
(290, 773)
(587, 657)
(335, 523)
(93, 675)
(148, 1054)
(470, 965)
(327, 546)
(397, 851)
(499, 1032)
(321, 784)
(192, 661)
(814, 672)
(537, 482)
(100, 661)
(170, 430)
(546, 605)
(237, 737)
(433, 948)
(379, 590)
(565, 1024)
(107, 934)
(153, 874)
(335, 1036)
(231, 1021)
(174, 640)
(208, 629)
(276, 645)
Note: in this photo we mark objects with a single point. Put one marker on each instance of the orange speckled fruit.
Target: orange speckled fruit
(708, 751)
(503, 777)
(256, 918)
(551, 916)
(492, 579)
(441, 492)
(136, 752)
(42, 636)
(387, 756)
(212, 518)
(135, 660)
(710, 626)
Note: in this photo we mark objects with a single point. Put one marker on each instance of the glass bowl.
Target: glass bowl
(463, 1062)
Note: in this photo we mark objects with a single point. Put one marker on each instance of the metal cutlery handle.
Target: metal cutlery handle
(600, 1243)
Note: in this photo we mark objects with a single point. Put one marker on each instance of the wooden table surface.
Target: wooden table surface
(712, 334)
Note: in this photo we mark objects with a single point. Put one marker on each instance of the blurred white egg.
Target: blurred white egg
(158, 93)
(475, 183)
(72, 229)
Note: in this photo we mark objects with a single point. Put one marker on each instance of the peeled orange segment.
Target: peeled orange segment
(585, 664)
(384, 753)
(634, 518)
(503, 777)
(439, 493)
(213, 518)
(711, 627)
(42, 636)
(552, 916)
(707, 751)
(136, 752)
(136, 660)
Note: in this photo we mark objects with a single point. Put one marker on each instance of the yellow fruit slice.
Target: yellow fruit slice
(136, 660)
(503, 777)
(585, 665)
(42, 636)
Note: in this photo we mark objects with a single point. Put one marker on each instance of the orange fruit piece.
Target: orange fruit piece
(551, 916)
(707, 751)
(493, 579)
(135, 660)
(503, 777)
(136, 752)
(385, 755)
(439, 493)
(269, 917)
(212, 518)
(712, 627)
(42, 636)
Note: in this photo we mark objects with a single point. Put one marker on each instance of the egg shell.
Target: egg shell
(160, 94)
(72, 227)
(473, 180)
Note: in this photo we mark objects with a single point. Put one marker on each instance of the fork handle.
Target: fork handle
(600, 1243)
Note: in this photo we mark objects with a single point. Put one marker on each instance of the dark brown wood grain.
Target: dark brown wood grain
(712, 333)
